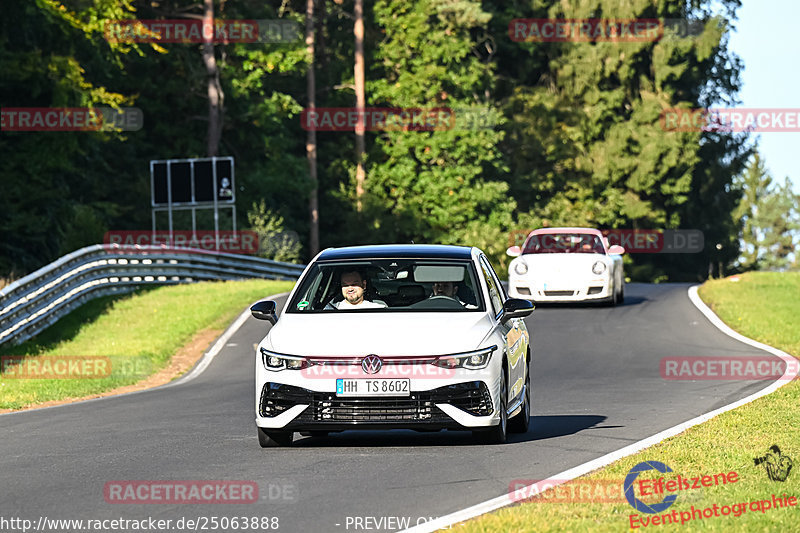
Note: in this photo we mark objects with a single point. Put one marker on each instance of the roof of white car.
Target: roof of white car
(543, 231)
(390, 251)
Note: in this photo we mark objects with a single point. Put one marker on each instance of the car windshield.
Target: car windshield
(563, 243)
(388, 285)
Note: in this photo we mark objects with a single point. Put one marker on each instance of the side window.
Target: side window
(494, 294)
(500, 288)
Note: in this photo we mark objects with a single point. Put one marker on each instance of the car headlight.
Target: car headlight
(521, 268)
(469, 360)
(279, 361)
(599, 267)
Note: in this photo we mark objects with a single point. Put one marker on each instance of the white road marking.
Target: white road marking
(562, 477)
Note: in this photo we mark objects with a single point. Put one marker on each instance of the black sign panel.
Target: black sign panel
(192, 181)
(181, 175)
(158, 177)
(203, 181)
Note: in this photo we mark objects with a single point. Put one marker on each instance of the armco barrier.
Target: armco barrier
(36, 301)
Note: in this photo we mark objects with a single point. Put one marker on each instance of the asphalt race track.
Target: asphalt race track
(596, 384)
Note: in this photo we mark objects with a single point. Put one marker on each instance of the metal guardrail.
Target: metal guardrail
(31, 304)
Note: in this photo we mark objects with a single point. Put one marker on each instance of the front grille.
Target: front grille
(472, 397)
(524, 290)
(329, 408)
(559, 293)
(595, 290)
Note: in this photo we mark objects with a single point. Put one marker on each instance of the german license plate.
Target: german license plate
(373, 387)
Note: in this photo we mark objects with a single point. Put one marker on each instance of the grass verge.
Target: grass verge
(124, 339)
(762, 306)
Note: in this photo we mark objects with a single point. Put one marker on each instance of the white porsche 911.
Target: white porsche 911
(567, 265)
(394, 336)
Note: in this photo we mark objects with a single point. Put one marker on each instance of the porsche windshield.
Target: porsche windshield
(563, 243)
(388, 285)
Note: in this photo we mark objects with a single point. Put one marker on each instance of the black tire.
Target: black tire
(621, 293)
(274, 439)
(614, 297)
(498, 433)
(520, 422)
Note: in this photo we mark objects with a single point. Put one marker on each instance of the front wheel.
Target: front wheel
(521, 421)
(498, 433)
(274, 439)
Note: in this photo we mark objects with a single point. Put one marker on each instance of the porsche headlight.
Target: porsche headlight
(469, 360)
(599, 267)
(278, 361)
(521, 268)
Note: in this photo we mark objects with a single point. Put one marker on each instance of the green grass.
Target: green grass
(139, 333)
(763, 306)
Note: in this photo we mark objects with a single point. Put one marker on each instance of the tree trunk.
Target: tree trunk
(358, 30)
(311, 141)
(215, 94)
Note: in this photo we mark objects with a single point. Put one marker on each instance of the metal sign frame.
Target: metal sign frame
(193, 205)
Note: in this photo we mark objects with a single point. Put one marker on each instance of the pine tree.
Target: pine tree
(769, 218)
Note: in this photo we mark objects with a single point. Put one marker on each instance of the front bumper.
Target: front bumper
(462, 406)
(592, 289)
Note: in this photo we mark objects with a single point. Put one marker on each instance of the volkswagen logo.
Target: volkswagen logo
(371, 364)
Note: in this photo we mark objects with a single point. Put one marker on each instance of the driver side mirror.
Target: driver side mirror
(516, 308)
(616, 250)
(265, 310)
(514, 251)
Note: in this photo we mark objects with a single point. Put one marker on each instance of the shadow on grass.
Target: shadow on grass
(69, 326)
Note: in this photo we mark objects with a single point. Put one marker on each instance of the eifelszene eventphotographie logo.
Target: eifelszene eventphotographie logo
(777, 465)
(638, 504)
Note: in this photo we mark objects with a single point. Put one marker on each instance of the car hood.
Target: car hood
(564, 263)
(358, 334)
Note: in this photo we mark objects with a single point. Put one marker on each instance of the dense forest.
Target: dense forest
(569, 132)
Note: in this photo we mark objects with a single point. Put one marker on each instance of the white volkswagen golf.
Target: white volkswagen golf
(394, 336)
